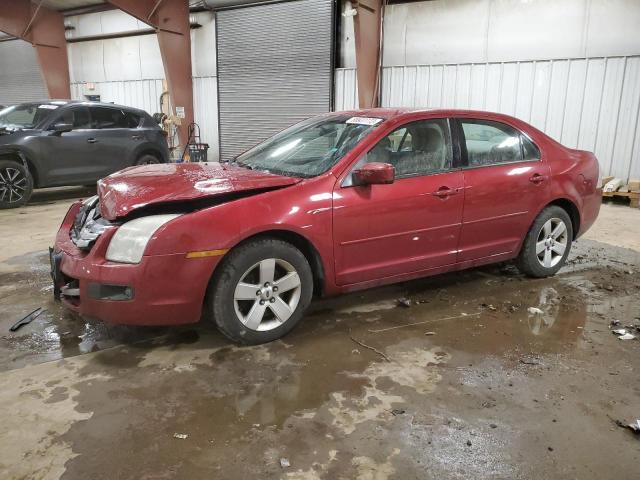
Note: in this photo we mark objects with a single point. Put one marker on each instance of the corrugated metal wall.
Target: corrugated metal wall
(592, 104)
(143, 94)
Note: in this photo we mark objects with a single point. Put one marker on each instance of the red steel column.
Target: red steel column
(367, 26)
(44, 29)
(170, 18)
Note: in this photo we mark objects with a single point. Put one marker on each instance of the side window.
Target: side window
(417, 148)
(76, 116)
(491, 143)
(132, 119)
(105, 117)
(529, 149)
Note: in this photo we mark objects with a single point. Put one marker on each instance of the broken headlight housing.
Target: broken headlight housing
(130, 240)
(88, 224)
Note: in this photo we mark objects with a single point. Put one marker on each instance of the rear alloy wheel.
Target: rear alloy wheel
(260, 291)
(16, 184)
(547, 244)
(552, 242)
(147, 159)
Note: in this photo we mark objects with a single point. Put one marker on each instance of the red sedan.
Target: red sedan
(336, 203)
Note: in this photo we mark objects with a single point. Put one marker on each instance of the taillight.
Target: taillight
(600, 175)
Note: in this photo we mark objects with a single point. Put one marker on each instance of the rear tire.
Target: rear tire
(260, 291)
(16, 184)
(548, 243)
(147, 159)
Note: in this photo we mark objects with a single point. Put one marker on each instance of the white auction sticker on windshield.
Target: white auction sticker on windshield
(47, 106)
(364, 120)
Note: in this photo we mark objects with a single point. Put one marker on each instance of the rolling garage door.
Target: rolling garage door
(274, 69)
(20, 77)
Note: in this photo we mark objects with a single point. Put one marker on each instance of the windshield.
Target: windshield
(309, 148)
(25, 115)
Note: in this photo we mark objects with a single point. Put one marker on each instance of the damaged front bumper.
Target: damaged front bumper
(160, 290)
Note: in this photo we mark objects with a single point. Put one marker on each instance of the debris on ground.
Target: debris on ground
(397, 411)
(284, 463)
(468, 443)
(535, 311)
(493, 425)
(529, 361)
(633, 426)
(429, 333)
(614, 323)
(373, 349)
(181, 436)
(489, 306)
(26, 319)
(404, 302)
(623, 334)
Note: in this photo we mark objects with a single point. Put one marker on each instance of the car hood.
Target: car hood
(169, 183)
(9, 136)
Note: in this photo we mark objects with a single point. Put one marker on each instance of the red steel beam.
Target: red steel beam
(367, 26)
(44, 29)
(170, 18)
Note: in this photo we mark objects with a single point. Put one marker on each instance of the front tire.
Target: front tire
(16, 184)
(260, 291)
(547, 245)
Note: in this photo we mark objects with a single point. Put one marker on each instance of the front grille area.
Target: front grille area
(88, 224)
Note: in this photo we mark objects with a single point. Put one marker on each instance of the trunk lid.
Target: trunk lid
(137, 187)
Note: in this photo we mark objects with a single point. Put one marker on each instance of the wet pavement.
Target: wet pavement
(465, 382)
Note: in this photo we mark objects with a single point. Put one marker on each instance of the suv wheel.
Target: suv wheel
(547, 244)
(147, 159)
(16, 184)
(260, 291)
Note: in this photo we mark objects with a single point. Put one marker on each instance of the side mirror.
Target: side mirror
(61, 127)
(374, 173)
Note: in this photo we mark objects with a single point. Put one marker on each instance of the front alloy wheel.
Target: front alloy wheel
(16, 184)
(267, 294)
(260, 291)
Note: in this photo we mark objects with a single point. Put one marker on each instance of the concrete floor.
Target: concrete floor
(476, 387)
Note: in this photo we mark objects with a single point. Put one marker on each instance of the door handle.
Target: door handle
(91, 140)
(136, 137)
(537, 178)
(445, 192)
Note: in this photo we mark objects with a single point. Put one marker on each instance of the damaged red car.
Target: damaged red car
(336, 203)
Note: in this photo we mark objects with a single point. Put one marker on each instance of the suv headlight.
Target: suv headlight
(128, 243)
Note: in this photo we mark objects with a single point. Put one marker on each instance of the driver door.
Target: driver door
(409, 226)
(69, 155)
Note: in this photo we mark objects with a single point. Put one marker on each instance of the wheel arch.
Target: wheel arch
(19, 156)
(148, 150)
(572, 210)
(303, 244)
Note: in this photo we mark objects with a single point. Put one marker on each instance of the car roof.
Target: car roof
(63, 102)
(394, 113)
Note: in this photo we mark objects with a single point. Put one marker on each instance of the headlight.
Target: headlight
(128, 243)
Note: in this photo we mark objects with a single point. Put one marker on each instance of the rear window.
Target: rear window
(492, 143)
(106, 117)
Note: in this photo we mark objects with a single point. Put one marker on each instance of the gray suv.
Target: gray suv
(56, 143)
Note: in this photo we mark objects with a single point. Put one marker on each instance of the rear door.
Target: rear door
(115, 133)
(412, 225)
(505, 184)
